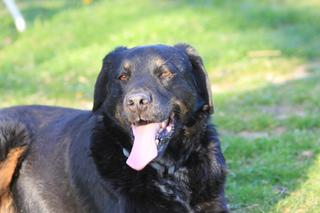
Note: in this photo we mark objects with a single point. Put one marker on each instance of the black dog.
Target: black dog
(147, 145)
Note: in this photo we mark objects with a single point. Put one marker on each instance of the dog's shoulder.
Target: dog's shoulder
(23, 131)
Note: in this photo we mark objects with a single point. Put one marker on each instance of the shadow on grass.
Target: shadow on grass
(291, 30)
(283, 26)
(270, 138)
(287, 27)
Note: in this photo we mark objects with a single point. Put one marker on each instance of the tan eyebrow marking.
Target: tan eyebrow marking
(126, 65)
(160, 62)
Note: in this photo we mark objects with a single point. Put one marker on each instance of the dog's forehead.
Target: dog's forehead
(155, 55)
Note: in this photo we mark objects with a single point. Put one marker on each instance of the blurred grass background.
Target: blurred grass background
(263, 61)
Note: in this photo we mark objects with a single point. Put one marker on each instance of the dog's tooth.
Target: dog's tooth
(172, 116)
(163, 124)
(169, 128)
(157, 141)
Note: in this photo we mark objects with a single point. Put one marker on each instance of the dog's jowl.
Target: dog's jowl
(146, 146)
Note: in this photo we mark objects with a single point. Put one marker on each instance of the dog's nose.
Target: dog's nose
(138, 101)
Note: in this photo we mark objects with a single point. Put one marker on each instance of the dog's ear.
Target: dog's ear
(200, 76)
(100, 89)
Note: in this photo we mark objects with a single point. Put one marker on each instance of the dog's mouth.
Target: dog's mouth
(150, 141)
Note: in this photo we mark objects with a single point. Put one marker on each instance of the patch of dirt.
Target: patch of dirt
(284, 111)
(314, 68)
(251, 135)
(299, 73)
(307, 154)
(7, 41)
(279, 130)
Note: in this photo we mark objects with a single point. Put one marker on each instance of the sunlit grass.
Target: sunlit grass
(306, 198)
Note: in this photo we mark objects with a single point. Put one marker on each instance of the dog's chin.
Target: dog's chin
(150, 140)
(165, 134)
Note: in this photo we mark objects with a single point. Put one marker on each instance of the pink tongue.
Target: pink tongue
(144, 147)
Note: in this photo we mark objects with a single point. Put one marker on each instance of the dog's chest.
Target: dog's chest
(174, 185)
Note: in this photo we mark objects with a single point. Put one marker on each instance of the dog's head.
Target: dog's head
(151, 91)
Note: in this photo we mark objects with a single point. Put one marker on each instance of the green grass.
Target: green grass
(262, 57)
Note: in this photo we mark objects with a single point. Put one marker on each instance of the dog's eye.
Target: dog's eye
(123, 77)
(166, 74)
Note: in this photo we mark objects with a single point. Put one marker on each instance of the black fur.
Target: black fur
(75, 161)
